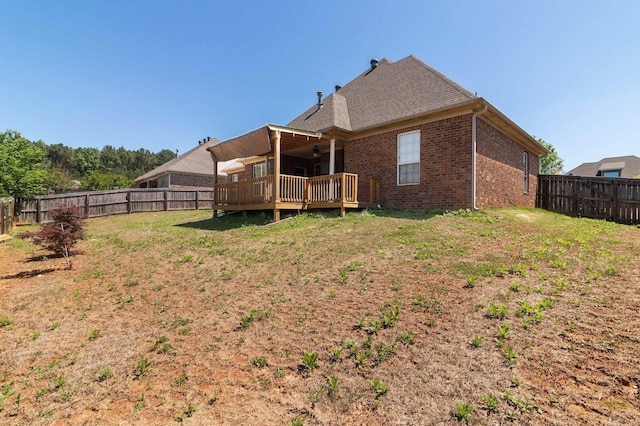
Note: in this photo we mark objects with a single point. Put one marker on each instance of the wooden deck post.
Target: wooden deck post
(215, 183)
(276, 175)
(332, 167)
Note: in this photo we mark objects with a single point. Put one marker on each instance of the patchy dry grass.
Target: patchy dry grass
(377, 318)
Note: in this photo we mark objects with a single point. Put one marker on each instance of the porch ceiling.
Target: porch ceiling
(293, 142)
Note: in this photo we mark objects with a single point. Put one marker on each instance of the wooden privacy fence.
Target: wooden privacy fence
(615, 199)
(7, 208)
(123, 201)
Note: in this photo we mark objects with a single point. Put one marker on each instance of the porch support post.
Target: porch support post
(332, 166)
(215, 183)
(276, 175)
(332, 157)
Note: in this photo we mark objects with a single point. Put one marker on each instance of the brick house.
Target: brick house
(627, 166)
(400, 135)
(191, 170)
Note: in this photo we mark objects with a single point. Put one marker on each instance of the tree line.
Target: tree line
(30, 168)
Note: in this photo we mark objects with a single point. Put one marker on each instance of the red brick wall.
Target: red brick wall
(500, 172)
(180, 181)
(445, 166)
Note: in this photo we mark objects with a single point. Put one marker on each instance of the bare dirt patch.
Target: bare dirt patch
(518, 315)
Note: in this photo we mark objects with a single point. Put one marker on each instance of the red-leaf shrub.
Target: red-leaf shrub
(60, 235)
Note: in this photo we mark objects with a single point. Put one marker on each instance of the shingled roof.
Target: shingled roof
(629, 166)
(386, 93)
(196, 161)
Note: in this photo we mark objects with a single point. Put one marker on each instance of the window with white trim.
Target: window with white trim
(234, 177)
(609, 173)
(409, 158)
(259, 170)
(525, 170)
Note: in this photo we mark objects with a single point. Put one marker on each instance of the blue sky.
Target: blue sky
(164, 74)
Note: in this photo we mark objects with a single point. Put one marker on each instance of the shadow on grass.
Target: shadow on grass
(28, 274)
(405, 214)
(259, 218)
(231, 221)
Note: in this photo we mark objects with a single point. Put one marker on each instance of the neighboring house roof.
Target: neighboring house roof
(196, 161)
(389, 92)
(628, 165)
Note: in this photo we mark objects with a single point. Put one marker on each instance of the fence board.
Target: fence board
(6, 215)
(615, 199)
(123, 201)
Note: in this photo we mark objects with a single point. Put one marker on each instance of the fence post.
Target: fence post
(12, 212)
(86, 205)
(614, 200)
(2, 216)
(38, 210)
(129, 201)
(197, 200)
(578, 197)
(166, 202)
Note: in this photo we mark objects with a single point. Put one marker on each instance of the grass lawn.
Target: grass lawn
(381, 317)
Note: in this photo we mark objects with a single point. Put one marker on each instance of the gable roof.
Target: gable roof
(628, 164)
(390, 92)
(196, 161)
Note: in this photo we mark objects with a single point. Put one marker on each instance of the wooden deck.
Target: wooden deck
(339, 190)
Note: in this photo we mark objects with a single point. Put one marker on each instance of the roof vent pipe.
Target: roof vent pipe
(374, 64)
(319, 99)
(338, 87)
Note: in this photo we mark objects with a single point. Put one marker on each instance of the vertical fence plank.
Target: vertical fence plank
(616, 199)
(104, 203)
(2, 217)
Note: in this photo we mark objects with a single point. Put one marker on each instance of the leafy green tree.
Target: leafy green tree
(111, 161)
(99, 181)
(21, 166)
(551, 164)
(60, 157)
(58, 181)
(85, 161)
(164, 156)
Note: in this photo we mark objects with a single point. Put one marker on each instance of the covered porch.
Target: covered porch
(314, 178)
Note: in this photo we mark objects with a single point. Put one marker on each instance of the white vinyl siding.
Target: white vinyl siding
(409, 158)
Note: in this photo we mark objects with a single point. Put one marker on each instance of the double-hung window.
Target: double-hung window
(259, 170)
(409, 158)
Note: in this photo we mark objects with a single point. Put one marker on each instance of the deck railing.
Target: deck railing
(293, 189)
(252, 191)
(336, 188)
(339, 187)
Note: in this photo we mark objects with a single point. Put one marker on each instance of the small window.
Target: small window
(409, 158)
(525, 170)
(609, 173)
(259, 170)
(234, 177)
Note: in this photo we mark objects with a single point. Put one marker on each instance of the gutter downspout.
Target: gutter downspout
(474, 144)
